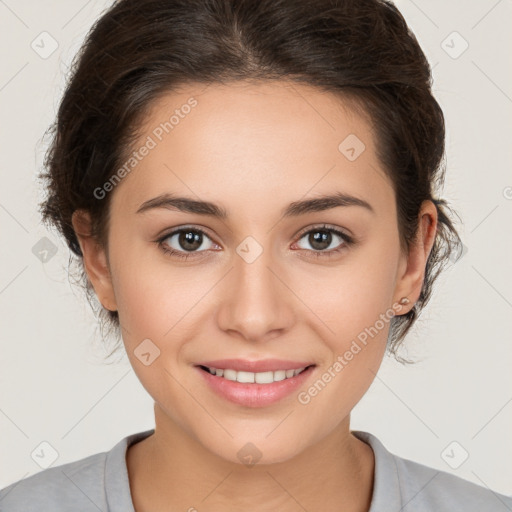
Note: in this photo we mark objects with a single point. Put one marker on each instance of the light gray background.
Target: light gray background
(53, 384)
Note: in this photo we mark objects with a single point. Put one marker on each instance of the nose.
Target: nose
(256, 304)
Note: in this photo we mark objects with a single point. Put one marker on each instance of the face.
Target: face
(314, 285)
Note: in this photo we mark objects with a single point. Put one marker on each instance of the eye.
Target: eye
(185, 242)
(326, 240)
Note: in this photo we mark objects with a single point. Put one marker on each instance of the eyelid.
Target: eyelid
(181, 229)
(178, 229)
(327, 227)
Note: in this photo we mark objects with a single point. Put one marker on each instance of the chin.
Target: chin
(254, 453)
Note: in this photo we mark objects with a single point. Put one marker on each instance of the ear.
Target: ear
(95, 260)
(411, 271)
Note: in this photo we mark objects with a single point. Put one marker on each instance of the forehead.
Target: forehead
(245, 144)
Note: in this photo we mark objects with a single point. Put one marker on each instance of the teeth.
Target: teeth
(258, 378)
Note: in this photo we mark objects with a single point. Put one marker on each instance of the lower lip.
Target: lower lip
(254, 395)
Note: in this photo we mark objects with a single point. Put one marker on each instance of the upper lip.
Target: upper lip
(263, 365)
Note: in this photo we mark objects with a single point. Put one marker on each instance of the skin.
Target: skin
(253, 148)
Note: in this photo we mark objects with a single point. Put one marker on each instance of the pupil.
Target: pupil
(190, 240)
(323, 238)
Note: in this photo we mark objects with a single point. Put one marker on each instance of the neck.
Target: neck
(172, 468)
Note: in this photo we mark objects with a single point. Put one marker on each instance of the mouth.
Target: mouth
(246, 377)
(254, 377)
(255, 388)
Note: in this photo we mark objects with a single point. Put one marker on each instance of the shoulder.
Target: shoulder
(428, 489)
(97, 482)
(411, 486)
(76, 485)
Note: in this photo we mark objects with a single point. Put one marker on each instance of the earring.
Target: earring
(404, 300)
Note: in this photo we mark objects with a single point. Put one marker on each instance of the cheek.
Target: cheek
(153, 296)
(359, 318)
(351, 297)
(353, 303)
(156, 310)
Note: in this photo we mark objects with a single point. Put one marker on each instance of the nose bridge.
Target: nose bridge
(255, 283)
(255, 302)
(253, 274)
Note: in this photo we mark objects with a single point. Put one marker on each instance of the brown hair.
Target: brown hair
(138, 50)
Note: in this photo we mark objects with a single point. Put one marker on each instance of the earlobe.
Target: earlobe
(410, 282)
(94, 260)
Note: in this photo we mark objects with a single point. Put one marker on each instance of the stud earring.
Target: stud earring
(404, 301)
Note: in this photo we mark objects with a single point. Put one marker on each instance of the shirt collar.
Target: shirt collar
(386, 485)
(117, 483)
(386, 493)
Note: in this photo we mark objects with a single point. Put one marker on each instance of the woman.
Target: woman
(250, 186)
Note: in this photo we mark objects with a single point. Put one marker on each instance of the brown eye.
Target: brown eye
(185, 240)
(190, 240)
(325, 239)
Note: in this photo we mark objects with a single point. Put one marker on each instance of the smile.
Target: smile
(254, 389)
(253, 377)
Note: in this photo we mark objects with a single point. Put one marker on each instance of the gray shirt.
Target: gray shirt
(100, 483)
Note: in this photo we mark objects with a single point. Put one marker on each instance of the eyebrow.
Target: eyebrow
(294, 209)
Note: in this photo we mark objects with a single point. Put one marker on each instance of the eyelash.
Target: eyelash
(347, 241)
